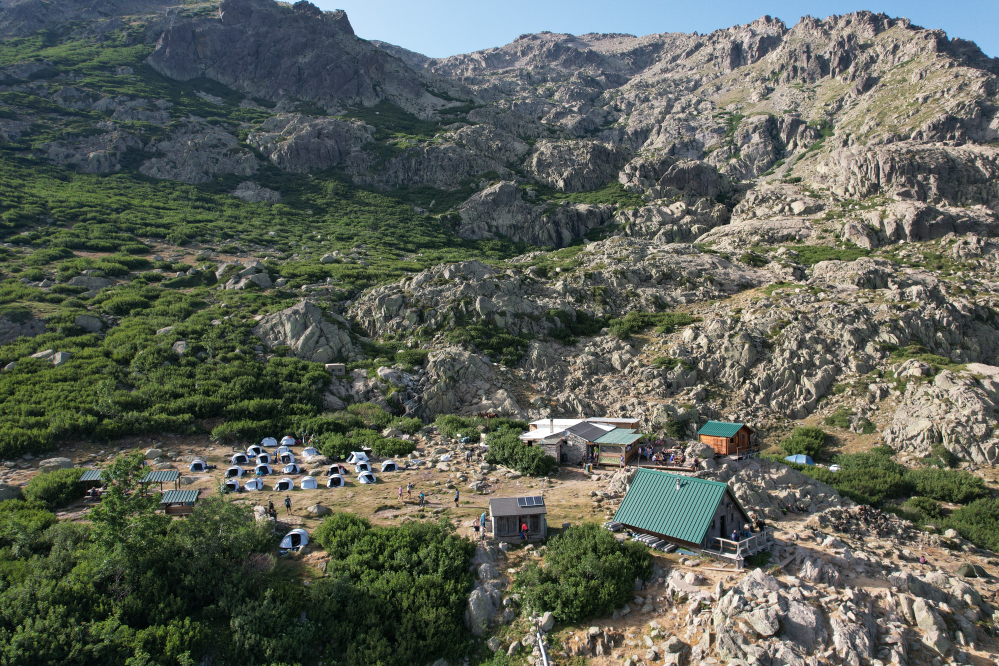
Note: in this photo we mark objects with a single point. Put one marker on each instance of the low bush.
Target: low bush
(410, 426)
(506, 448)
(809, 441)
(633, 322)
(926, 507)
(55, 489)
(586, 573)
(947, 485)
(978, 523)
(390, 447)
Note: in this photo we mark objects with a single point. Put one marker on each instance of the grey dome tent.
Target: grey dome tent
(366, 477)
(254, 450)
(262, 469)
(969, 570)
(231, 485)
(240, 459)
(390, 466)
(336, 469)
(287, 457)
(234, 471)
(295, 539)
(308, 483)
(254, 484)
(362, 467)
(268, 442)
(287, 440)
(335, 481)
(310, 451)
(198, 466)
(356, 457)
(281, 449)
(264, 457)
(284, 484)
(292, 469)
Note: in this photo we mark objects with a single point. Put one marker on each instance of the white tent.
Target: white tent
(281, 449)
(254, 450)
(262, 469)
(366, 477)
(362, 467)
(308, 483)
(336, 469)
(254, 484)
(287, 440)
(284, 484)
(268, 442)
(288, 457)
(446, 457)
(295, 539)
(240, 459)
(335, 481)
(264, 458)
(310, 451)
(198, 466)
(232, 486)
(234, 471)
(356, 457)
(292, 469)
(390, 466)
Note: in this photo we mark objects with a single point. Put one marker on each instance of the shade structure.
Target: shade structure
(268, 442)
(254, 484)
(284, 484)
(308, 483)
(390, 466)
(234, 472)
(366, 477)
(335, 481)
(240, 459)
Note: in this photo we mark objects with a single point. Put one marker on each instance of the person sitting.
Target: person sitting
(735, 535)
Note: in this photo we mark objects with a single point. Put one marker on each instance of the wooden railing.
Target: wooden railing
(751, 545)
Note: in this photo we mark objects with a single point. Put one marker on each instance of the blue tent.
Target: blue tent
(801, 459)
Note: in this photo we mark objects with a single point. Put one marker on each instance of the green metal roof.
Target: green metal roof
(160, 476)
(655, 505)
(619, 436)
(180, 497)
(92, 475)
(720, 429)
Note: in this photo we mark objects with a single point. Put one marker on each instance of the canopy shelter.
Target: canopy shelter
(335, 481)
(284, 485)
(362, 467)
(287, 457)
(292, 469)
(308, 483)
(801, 459)
(254, 450)
(336, 469)
(264, 457)
(390, 466)
(618, 446)
(198, 466)
(287, 440)
(240, 459)
(254, 484)
(356, 457)
(295, 539)
(366, 477)
(92, 478)
(162, 476)
(262, 469)
(234, 472)
(508, 514)
(231, 485)
(269, 442)
(310, 451)
(179, 502)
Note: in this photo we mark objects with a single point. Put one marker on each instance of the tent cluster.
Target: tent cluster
(258, 456)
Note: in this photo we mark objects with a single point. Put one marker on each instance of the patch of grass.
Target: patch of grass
(634, 322)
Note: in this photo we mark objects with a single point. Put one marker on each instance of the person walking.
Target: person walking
(270, 506)
(456, 498)
(400, 493)
(409, 489)
(422, 498)
(523, 531)
(482, 521)
(475, 527)
(287, 503)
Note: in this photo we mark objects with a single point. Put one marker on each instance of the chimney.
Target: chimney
(551, 426)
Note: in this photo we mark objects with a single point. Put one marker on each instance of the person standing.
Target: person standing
(409, 489)
(456, 498)
(287, 503)
(422, 497)
(523, 531)
(400, 493)
(475, 527)
(482, 521)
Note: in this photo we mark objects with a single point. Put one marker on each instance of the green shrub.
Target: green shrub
(633, 322)
(506, 448)
(390, 447)
(586, 573)
(412, 358)
(372, 415)
(978, 523)
(334, 445)
(947, 485)
(926, 506)
(55, 489)
(410, 426)
(809, 441)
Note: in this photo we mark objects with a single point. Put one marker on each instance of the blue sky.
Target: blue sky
(445, 27)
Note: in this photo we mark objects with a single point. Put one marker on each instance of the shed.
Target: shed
(690, 512)
(162, 476)
(179, 502)
(618, 447)
(507, 514)
(726, 438)
(336, 369)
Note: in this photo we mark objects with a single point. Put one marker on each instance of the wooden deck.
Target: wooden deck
(738, 551)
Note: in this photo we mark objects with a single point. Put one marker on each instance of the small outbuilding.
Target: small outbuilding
(366, 477)
(234, 472)
(295, 539)
(336, 369)
(335, 481)
(390, 466)
(728, 439)
(284, 485)
(179, 502)
(308, 483)
(508, 514)
(263, 469)
(240, 459)
(254, 484)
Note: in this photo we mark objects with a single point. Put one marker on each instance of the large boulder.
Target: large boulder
(479, 611)
(307, 331)
(52, 464)
(575, 166)
(9, 492)
(88, 323)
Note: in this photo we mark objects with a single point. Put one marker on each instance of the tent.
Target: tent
(336, 469)
(801, 459)
(288, 457)
(446, 457)
(281, 449)
(362, 467)
(284, 484)
(366, 477)
(287, 440)
(968, 570)
(390, 466)
(232, 486)
(335, 481)
(268, 442)
(254, 484)
(308, 483)
(262, 469)
(264, 457)
(834, 468)
(234, 472)
(292, 468)
(240, 459)
(356, 457)
(254, 450)
(310, 451)
(198, 466)
(295, 539)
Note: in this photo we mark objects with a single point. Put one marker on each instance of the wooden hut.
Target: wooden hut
(727, 439)
(507, 514)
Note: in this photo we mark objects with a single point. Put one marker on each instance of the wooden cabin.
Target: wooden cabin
(507, 514)
(727, 439)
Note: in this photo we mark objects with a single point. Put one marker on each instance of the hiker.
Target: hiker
(270, 506)
(475, 527)
(287, 503)
(409, 489)
(922, 559)
(422, 498)
(482, 521)
(761, 525)
(735, 535)
(523, 531)
(456, 498)
(400, 493)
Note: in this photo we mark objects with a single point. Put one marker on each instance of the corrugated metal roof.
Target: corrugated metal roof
(160, 476)
(508, 506)
(654, 504)
(589, 431)
(622, 436)
(720, 429)
(92, 475)
(180, 496)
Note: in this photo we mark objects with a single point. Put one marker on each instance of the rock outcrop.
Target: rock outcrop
(309, 333)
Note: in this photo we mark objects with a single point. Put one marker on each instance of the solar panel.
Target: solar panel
(539, 501)
(529, 501)
(521, 501)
